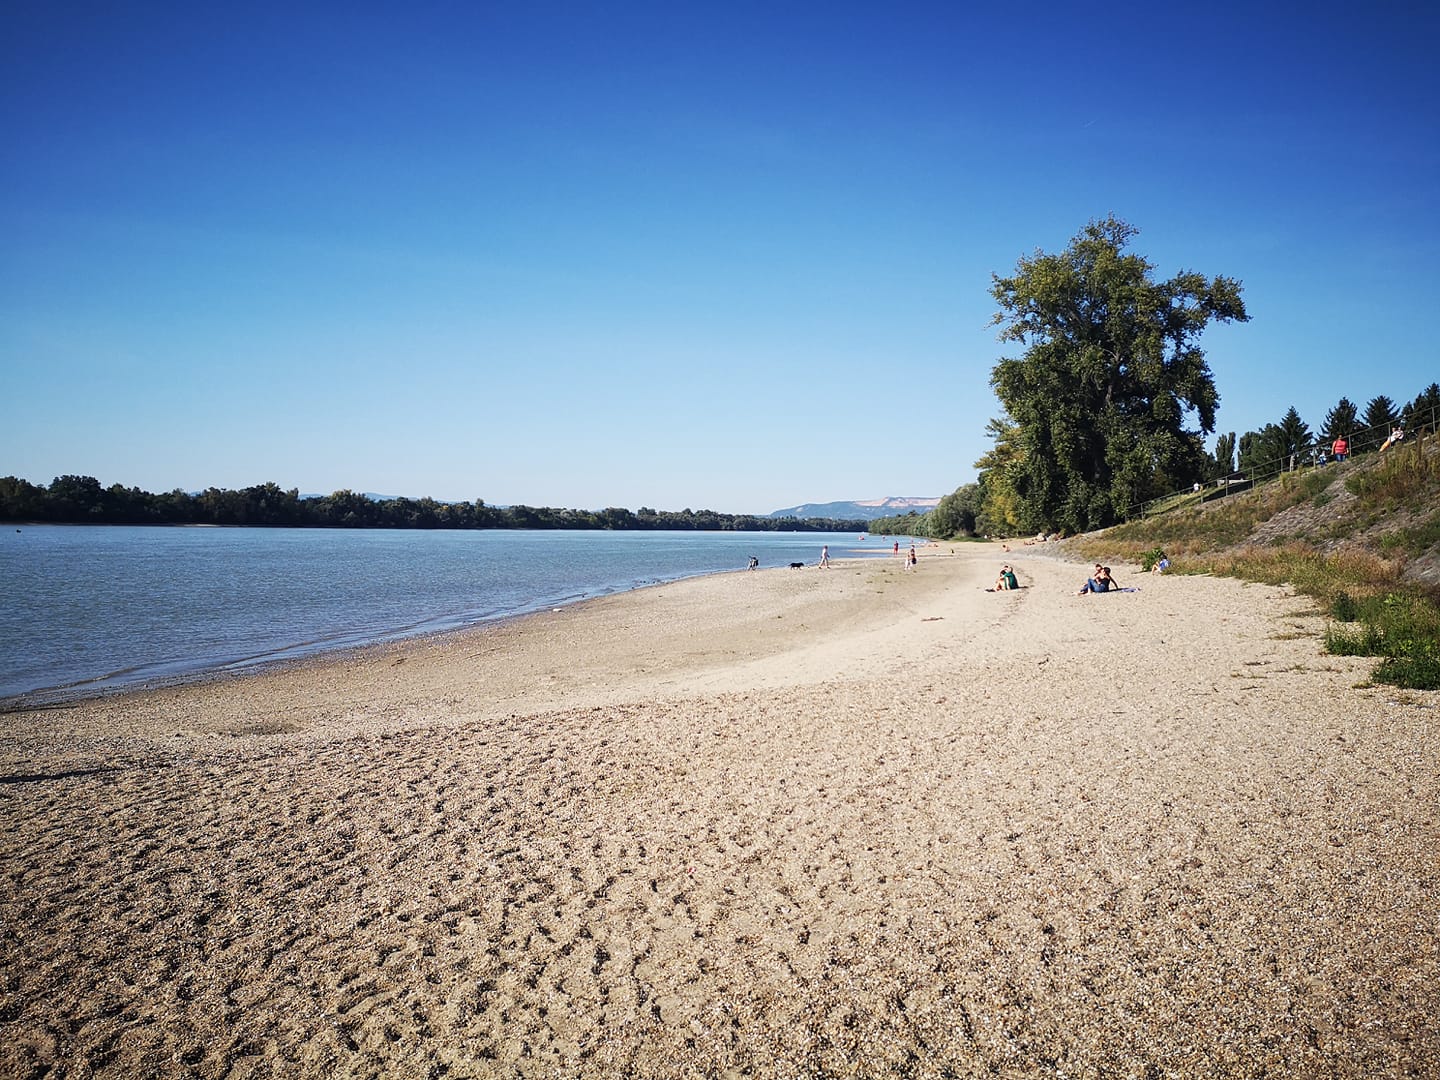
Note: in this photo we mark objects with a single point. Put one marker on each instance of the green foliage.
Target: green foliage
(1419, 671)
(1405, 630)
(1344, 608)
(1379, 418)
(1109, 375)
(1380, 412)
(1363, 642)
(1276, 448)
(1224, 463)
(1294, 433)
(1342, 420)
(1001, 512)
(1262, 452)
(1413, 540)
(1422, 416)
(1148, 559)
(957, 513)
(71, 499)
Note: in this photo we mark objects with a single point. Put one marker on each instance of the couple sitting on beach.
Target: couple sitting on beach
(1101, 582)
(1006, 581)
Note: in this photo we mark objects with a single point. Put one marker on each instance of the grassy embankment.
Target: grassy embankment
(1362, 539)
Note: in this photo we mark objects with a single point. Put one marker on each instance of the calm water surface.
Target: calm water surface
(95, 607)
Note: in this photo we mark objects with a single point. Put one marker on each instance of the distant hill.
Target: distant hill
(866, 510)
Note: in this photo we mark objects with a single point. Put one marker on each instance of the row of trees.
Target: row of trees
(1290, 442)
(83, 500)
(958, 514)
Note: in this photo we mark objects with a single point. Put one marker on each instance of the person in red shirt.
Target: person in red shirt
(1341, 448)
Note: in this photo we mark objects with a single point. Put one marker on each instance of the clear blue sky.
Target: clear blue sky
(728, 256)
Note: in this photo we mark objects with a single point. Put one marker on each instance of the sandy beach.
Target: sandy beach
(858, 822)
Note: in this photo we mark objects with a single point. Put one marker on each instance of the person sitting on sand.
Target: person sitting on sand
(1101, 582)
(1006, 581)
(1161, 565)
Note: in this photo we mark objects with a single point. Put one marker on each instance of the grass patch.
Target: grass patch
(1409, 672)
(1414, 539)
(1402, 629)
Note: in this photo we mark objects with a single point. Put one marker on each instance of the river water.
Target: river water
(88, 608)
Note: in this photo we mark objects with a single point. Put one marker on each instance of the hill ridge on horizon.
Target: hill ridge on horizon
(862, 509)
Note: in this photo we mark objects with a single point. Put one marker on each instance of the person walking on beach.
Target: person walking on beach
(912, 561)
(825, 557)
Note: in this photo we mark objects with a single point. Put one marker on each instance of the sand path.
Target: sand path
(861, 822)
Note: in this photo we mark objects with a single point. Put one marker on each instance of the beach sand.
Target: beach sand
(856, 822)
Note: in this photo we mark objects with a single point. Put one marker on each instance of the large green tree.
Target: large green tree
(1109, 377)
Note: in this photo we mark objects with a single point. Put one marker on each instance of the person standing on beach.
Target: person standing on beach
(825, 557)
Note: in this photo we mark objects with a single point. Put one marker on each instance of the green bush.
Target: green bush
(1418, 671)
(1404, 630)
(1149, 558)
(1363, 642)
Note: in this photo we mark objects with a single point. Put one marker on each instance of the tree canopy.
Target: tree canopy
(72, 499)
(1096, 407)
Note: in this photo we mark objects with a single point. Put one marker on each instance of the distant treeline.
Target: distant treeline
(82, 500)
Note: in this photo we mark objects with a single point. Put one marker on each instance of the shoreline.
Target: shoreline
(864, 820)
(108, 685)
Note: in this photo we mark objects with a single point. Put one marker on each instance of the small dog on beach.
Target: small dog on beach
(797, 565)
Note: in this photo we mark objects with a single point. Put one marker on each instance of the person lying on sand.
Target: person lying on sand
(1101, 582)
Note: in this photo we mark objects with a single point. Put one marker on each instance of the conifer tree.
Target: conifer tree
(1342, 420)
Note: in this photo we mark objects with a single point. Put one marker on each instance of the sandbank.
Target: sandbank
(862, 821)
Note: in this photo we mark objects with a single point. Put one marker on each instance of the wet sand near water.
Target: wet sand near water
(858, 822)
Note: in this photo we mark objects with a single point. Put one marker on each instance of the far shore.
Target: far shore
(866, 821)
